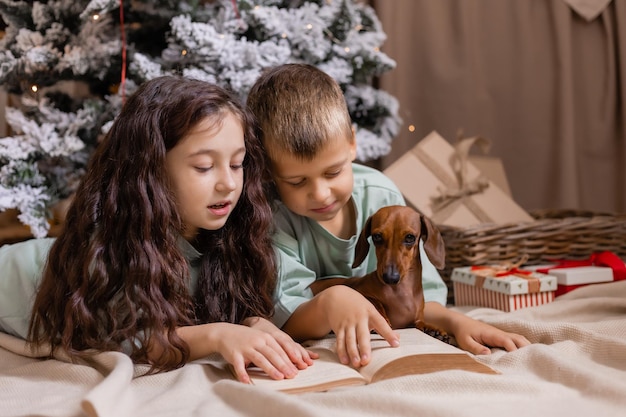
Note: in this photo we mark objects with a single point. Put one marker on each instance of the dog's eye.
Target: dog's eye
(377, 238)
(409, 239)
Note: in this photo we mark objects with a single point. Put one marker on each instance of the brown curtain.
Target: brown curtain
(544, 80)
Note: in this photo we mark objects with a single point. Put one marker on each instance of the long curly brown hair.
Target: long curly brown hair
(116, 275)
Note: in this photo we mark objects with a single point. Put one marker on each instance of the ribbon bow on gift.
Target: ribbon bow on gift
(606, 258)
(458, 163)
(506, 269)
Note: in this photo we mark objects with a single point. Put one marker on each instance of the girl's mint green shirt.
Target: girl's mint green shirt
(306, 251)
(21, 268)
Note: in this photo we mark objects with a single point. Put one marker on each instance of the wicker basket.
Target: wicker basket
(554, 234)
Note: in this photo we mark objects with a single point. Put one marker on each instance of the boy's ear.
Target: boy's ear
(353, 144)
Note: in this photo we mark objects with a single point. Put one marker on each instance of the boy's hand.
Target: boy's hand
(476, 337)
(352, 317)
(472, 335)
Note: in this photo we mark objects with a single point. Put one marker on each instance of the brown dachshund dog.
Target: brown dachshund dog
(395, 287)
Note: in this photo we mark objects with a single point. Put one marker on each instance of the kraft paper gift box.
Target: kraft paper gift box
(441, 182)
(502, 289)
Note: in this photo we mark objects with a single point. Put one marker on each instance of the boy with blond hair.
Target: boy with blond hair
(323, 201)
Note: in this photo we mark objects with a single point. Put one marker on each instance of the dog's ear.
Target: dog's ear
(362, 245)
(433, 243)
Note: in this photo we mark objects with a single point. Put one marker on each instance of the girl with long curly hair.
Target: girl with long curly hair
(166, 252)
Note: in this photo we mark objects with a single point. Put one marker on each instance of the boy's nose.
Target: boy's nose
(320, 191)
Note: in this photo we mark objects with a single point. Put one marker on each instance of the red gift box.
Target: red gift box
(599, 259)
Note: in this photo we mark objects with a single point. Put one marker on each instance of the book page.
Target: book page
(408, 337)
(418, 353)
(326, 373)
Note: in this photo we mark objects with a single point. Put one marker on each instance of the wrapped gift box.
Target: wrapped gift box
(507, 290)
(569, 279)
(441, 181)
(600, 267)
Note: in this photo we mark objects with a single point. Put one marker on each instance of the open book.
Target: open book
(418, 353)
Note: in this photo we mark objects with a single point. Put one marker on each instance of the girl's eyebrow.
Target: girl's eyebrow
(209, 151)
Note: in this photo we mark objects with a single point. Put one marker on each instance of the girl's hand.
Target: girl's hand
(298, 355)
(242, 346)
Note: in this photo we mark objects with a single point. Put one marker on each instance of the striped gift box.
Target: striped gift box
(507, 292)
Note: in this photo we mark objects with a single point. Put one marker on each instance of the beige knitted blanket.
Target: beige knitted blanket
(575, 367)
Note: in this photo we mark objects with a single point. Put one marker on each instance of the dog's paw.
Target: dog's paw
(437, 334)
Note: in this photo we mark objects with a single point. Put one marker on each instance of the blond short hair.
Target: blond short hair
(299, 108)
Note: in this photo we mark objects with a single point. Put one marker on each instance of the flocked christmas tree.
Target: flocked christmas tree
(108, 47)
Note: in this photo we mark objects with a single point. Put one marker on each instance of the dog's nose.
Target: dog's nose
(391, 275)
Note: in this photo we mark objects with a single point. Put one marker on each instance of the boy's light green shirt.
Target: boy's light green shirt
(306, 251)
